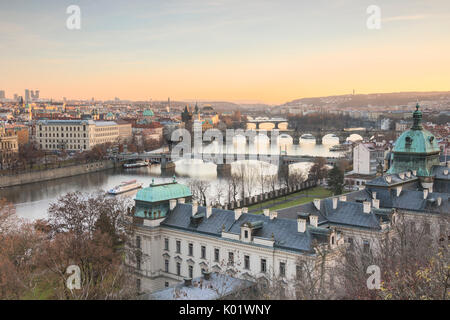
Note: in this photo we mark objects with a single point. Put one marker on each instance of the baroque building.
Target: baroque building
(178, 239)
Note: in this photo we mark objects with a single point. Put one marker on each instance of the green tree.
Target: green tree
(336, 180)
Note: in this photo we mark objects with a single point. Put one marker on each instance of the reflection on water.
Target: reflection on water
(32, 200)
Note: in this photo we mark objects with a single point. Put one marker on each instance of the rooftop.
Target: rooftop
(202, 289)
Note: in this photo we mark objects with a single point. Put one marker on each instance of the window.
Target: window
(138, 242)
(216, 255)
(442, 230)
(166, 284)
(178, 246)
(263, 265)
(191, 249)
(282, 269)
(298, 272)
(230, 257)
(203, 252)
(350, 242)
(246, 234)
(138, 285)
(138, 262)
(191, 272)
(426, 228)
(166, 265)
(247, 262)
(366, 246)
(178, 268)
(166, 244)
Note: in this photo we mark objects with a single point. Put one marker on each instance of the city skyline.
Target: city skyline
(223, 50)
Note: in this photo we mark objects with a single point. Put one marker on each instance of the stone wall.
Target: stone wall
(51, 174)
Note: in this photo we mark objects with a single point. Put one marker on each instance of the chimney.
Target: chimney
(172, 204)
(273, 215)
(343, 198)
(401, 176)
(335, 201)
(446, 172)
(181, 200)
(399, 191)
(301, 225)
(194, 208)
(245, 210)
(425, 193)
(207, 275)
(313, 220)
(208, 211)
(439, 201)
(376, 203)
(266, 212)
(317, 204)
(374, 195)
(366, 206)
(237, 213)
(187, 282)
(414, 172)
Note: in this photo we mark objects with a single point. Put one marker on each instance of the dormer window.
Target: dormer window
(408, 141)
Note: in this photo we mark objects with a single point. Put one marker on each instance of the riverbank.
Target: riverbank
(55, 173)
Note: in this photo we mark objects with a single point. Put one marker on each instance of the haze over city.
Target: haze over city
(263, 51)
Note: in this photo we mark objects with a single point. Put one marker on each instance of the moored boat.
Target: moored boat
(135, 164)
(125, 186)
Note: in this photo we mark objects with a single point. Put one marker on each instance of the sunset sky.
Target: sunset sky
(234, 50)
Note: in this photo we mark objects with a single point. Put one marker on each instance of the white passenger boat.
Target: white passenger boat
(125, 186)
(135, 164)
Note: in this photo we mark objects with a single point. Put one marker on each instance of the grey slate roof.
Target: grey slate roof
(347, 213)
(285, 231)
(395, 180)
(414, 201)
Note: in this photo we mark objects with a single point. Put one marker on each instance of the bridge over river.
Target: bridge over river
(222, 160)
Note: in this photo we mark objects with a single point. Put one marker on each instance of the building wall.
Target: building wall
(361, 159)
(153, 276)
(75, 135)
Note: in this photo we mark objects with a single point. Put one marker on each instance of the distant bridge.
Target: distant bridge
(274, 121)
(223, 160)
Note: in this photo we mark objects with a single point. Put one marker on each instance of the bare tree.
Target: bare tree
(413, 263)
(199, 190)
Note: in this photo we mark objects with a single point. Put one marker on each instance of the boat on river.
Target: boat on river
(125, 187)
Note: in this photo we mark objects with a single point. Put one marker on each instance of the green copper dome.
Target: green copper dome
(153, 202)
(417, 139)
(148, 113)
(163, 192)
(415, 149)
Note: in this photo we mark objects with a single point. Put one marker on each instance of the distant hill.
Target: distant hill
(376, 99)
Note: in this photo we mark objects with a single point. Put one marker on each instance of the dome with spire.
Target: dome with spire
(415, 149)
(148, 113)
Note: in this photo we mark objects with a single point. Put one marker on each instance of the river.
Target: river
(32, 200)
